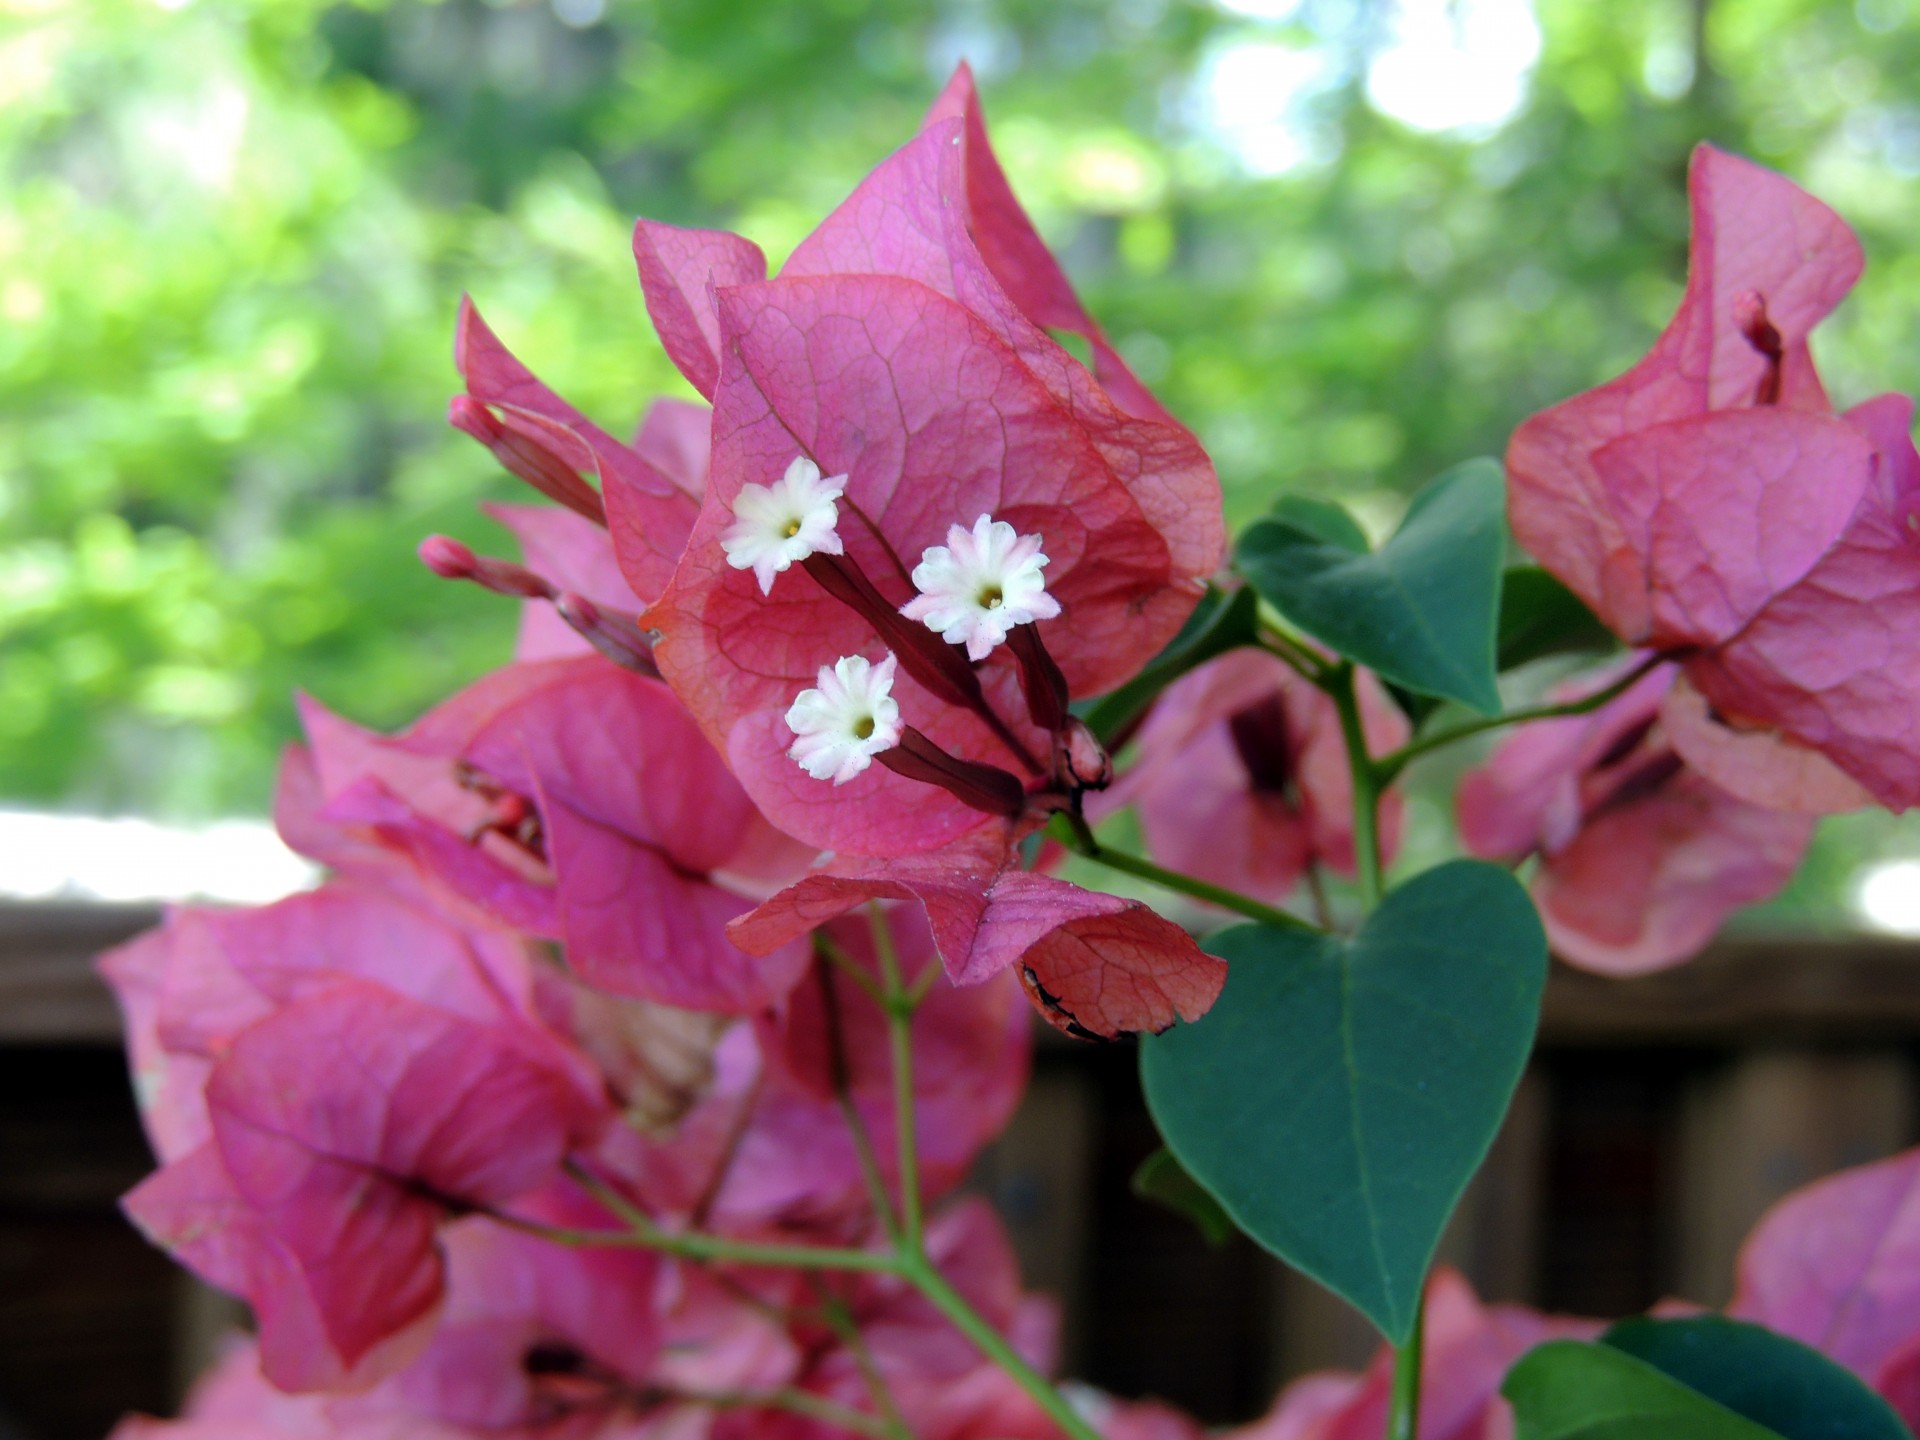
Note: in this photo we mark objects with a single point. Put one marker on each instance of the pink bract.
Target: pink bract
(575, 799)
(763, 1148)
(1641, 858)
(648, 491)
(1095, 965)
(1241, 775)
(1836, 1265)
(902, 349)
(334, 1071)
(1710, 504)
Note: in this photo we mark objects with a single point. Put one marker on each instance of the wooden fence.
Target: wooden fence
(1660, 1117)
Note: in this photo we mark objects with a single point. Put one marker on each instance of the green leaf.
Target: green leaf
(1570, 1390)
(1342, 1091)
(1422, 610)
(1222, 621)
(1161, 1179)
(1539, 617)
(1770, 1379)
(1322, 519)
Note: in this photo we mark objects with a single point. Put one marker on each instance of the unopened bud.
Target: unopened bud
(1087, 761)
(527, 457)
(447, 557)
(616, 636)
(451, 560)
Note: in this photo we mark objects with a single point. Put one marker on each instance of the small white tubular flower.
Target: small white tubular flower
(848, 720)
(980, 584)
(775, 525)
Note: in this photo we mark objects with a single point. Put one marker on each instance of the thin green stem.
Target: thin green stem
(1394, 761)
(849, 1112)
(1403, 1414)
(1073, 832)
(1368, 782)
(950, 1303)
(643, 1234)
(840, 1320)
(798, 1402)
(836, 953)
(899, 1003)
(1277, 642)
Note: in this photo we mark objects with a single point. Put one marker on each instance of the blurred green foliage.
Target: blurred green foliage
(233, 234)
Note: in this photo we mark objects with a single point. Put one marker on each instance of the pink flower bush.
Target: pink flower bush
(1709, 504)
(621, 1080)
(1641, 857)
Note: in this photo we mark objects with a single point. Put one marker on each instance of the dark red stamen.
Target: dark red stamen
(1040, 679)
(985, 787)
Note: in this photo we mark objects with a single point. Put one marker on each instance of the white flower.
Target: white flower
(851, 718)
(775, 525)
(980, 584)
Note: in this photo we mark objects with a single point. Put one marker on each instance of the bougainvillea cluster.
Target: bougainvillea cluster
(622, 1078)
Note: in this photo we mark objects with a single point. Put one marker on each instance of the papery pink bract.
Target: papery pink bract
(1755, 235)
(891, 351)
(944, 1388)
(343, 1127)
(1095, 965)
(1710, 505)
(763, 1149)
(362, 1063)
(1836, 1265)
(1832, 662)
(1468, 1349)
(1641, 858)
(1240, 775)
(531, 1331)
(679, 271)
(649, 512)
(575, 799)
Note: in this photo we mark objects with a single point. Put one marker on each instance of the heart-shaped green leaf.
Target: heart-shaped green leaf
(1323, 519)
(1569, 1390)
(1539, 616)
(1341, 1092)
(1161, 1179)
(1422, 610)
(1772, 1380)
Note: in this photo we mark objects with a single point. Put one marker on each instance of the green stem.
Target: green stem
(899, 1003)
(1403, 1416)
(1073, 832)
(950, 1303)
(840, 1320)
(849, 1112)
(1368, 782)
(1392, 763)
(1303, 661)
(798, 1402)
(643, 1234)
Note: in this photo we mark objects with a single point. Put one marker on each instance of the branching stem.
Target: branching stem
(1073, 832)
